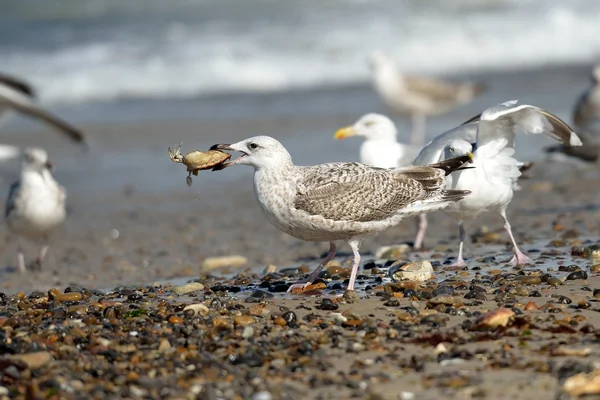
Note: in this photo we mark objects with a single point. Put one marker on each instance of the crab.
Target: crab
(198, 160)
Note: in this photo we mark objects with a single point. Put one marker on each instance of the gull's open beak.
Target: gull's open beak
(221, 147)
(345, 132)
(228, 148)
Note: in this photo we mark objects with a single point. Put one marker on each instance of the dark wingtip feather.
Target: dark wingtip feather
(17, 85)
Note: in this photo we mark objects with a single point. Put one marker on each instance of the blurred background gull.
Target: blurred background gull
(140, 75)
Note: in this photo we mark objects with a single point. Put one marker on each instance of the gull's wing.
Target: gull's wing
(498, 126)
(12, 197)
(432, 151)
(20, 101)
(357, 192)
(439, 90)
(590, 136)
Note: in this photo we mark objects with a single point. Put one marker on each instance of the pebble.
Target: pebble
(187, 288)
(33, 360)
(553, 281)
(529, 280)
(72, 296)
(235, 261)
(577, 275)
(392, 252)
(280, 321)
(199, 309)
(243, 320)
(419, 271)
(174, 319)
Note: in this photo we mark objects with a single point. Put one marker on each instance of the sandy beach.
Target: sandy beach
(135, 231)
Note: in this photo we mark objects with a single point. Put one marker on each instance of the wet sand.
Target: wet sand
(166, 230)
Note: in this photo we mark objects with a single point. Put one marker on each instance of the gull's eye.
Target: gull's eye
(451, 149)
(369, 123)
(252, 145)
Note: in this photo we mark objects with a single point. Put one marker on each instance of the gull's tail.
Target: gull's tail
(453, 164)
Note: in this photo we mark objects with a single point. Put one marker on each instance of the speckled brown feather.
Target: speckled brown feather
(361, 193)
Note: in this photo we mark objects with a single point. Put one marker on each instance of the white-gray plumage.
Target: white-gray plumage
(587, 107)
(339, 201)
(16, 95)
(380, 147)
(36, 202)
(496, 171)
(417, 96)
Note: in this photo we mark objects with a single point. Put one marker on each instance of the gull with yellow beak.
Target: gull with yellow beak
(380, 147)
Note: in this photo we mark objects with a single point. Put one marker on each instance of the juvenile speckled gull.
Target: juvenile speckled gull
(36, 203)
(496, 171)
(586, 117)
(587, 107)
(339, 201)
(417, 96)
(16, 95)
(380, 147)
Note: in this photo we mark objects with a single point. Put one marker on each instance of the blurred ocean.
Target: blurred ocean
(100, 50)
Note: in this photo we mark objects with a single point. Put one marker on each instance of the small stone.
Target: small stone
(393, 252)
(529, 280)
(418, 271)
(280, 321)
(553, 281)
(327, 305)
(187, 288)
(531, 306)
(243, 320)
(234, 261)
(595, 268)
(72, 296)
(33, 360)
(164, 345)
(577, 275)
(496, 318)
(248, 332)
(270, 269)
(174, 319)
(199, 309)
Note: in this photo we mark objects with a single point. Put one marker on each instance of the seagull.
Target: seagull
(16, 95)
(417, 96)
(380, 147)
(587, 107)
(339, 201)
(36, 203)
(496, 171)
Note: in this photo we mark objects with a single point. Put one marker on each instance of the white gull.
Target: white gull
(339, 201)
(380, 147)
(36, 203)
(496, 171)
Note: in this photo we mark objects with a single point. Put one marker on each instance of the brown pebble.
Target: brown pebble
(52, 293)
(316, 286)
(174, 319)
(243, 320)
(72, 296)
(529, 280)
(352, 322)
(334, 270)
(552, 281)
(531, 306)
(280, 321)
(595, 268)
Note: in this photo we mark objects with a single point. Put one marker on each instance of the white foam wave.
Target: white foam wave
(183, 59)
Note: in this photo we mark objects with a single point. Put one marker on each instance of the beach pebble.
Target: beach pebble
(496, 318)
(577, 275)
(269, 269)
(243, 320)
(234, 261)
(187, 288)
(33, 360)
(200, 309)
(418, 271)
(393, 252)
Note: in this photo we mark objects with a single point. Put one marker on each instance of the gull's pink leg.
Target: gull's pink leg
(315, 274)
(21, 261)
(42, 256)
(460, 262)
(422, 226)
(354, 244)
(519, 258)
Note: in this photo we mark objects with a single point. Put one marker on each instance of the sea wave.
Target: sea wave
(208, 48)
